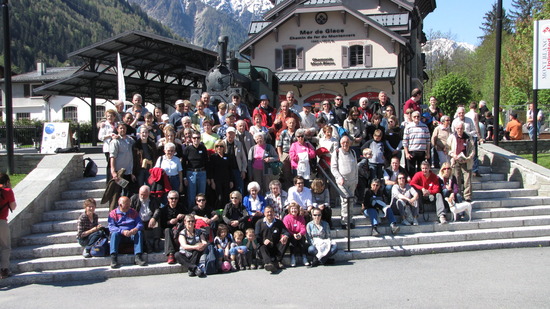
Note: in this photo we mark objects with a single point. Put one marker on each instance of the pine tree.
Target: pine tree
(524, 9)
(489, 24)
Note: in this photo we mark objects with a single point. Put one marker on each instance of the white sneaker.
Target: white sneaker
(415, 221)
(405, 222)
(305, 261)
(292, 260)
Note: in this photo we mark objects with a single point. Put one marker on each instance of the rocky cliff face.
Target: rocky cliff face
(201, 22)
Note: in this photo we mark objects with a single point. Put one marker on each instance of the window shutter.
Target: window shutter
(345, 57)
(300, 63)
(278, 59)
(367, 56)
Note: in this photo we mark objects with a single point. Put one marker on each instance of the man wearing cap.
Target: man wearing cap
(230, 119)
(175, 118)
(235, 151)
(514, 128)
(242, 109)
(308, 120)
(267, 112)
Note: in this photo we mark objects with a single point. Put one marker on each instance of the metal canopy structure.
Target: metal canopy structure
(160, 69)
(336, 75)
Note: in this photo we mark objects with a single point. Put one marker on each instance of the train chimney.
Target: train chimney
(222, 49)
(233, 61)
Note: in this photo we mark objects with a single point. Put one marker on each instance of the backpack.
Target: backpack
(211, 259)
(100, 247)
(90, 168)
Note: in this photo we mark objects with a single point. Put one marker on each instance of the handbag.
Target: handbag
(100, 247)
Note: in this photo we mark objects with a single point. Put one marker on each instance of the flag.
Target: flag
(120, 77)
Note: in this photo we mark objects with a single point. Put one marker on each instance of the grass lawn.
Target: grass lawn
(16, 178)
(542, 159)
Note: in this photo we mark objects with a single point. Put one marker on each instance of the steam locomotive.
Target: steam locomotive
(235, 76)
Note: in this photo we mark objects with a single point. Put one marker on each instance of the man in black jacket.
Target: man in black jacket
(272, 236)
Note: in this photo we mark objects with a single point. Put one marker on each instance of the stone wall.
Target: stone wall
(24, 163)
(525, 146)
(38, 192)
(533, 176)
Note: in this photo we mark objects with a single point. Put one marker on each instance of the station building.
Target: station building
(356, 48)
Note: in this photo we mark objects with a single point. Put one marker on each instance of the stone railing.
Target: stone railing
(533, 176)
(40, 189)
(24, 163)
(525, 146)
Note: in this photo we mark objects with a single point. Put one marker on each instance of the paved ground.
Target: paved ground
(510, 278)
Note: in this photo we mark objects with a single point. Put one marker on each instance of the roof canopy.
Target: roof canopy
(159, 68)
(336, 75)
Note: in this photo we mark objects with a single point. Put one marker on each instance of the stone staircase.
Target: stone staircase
(504, 216)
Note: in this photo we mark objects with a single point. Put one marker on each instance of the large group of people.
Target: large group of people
(258, 182)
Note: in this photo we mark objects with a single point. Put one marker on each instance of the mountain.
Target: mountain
(203, 21)
(50, 29)
(442, 48)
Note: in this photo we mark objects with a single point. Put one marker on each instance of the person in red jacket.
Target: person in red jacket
(427, 185)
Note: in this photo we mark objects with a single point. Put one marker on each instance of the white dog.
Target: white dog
(457, 208)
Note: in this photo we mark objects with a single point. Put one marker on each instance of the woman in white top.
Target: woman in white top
(171, 165)
(106, 134)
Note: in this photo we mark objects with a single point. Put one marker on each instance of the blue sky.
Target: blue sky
(462, 18)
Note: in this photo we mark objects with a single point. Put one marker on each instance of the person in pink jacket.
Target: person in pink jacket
(301, 152)
(296, 226)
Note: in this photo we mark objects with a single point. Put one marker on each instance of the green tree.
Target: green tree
(452, 90)
(489, 24)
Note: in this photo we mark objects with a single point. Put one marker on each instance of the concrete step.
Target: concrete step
(89, 273)
(74, 204)
(502, 193)
(482, 169)
(432, 226)
(511, 212)
(77, 261)
(48, 238)
(493, 185)
(441, 236)
(41, 251)
(82, 194)
(128, 270)
(491, 244)
(69, 214)
(489, 177)
(60, 226)
(511, 202)
(88, 183)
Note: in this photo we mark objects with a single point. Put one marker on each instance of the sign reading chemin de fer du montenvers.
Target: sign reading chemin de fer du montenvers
(541, 55)
(327, 35)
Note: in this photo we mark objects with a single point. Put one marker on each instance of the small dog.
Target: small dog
(457, 208)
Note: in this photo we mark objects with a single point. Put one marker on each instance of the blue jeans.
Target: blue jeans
(311, 250)
(89, 240)
(237, 180)
(233, 251)
(117, 238)
(373, 214)
(197, 184)
(532, 131)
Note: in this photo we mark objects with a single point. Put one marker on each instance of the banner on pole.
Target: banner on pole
(541, 54)
(121, 83)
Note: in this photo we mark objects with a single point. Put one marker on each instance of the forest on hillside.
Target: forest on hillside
(48, 30)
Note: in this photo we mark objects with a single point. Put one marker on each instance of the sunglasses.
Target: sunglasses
(201, 200)
(316, 215)
(173, 198)
(189, 221)
(300, 136)
(195, 137)
(299, 183)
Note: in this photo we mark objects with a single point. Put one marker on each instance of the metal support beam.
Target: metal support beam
(7, 89)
